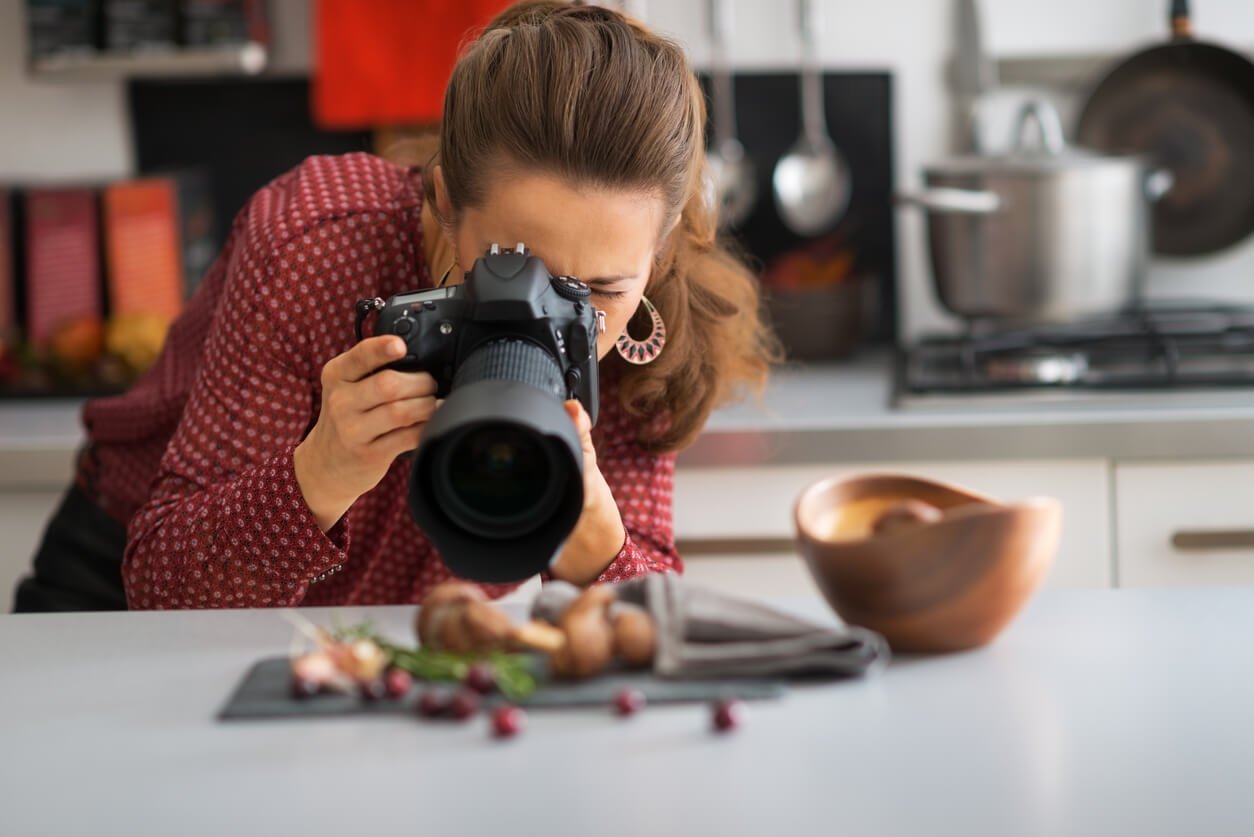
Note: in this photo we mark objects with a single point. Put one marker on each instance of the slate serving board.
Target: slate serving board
(265, 692)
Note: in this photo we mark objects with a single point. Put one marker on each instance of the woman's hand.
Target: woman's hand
(367, 420)
(599, 534)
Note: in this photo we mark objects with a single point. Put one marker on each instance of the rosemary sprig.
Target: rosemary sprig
(514, 674)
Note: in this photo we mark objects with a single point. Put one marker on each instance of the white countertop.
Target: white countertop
(1096, 712)
(846, 411)
(833, 412)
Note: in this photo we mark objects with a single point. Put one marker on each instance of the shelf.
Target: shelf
(244, 59)
(1073, 72)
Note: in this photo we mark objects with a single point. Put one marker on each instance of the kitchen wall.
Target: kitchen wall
(64, 130)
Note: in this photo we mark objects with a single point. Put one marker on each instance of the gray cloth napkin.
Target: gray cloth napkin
(704, 633)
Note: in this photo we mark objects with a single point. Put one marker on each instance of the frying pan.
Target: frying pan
(1188, 106)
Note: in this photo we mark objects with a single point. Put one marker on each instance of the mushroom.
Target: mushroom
(456, 616)
(535, 635)
(589, 636)
(905, 514)
(635, 635)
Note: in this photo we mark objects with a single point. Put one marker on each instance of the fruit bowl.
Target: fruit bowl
(932, 567)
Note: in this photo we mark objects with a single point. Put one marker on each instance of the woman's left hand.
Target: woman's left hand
(599, 534)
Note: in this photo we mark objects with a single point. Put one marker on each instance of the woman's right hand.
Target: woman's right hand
(366, 421)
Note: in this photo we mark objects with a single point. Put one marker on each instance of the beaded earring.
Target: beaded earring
(640, 352)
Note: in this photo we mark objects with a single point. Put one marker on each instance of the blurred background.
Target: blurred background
(133, 130)
(992, 346)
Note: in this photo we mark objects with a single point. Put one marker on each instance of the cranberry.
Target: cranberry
(464, 704)
(398, 682)
(303, 687)
(728, 714)
(433, 702)
(481, 677)
(508, 721)
(629, 701)
(372, 690)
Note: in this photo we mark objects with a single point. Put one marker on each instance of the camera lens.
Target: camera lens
(499, 480)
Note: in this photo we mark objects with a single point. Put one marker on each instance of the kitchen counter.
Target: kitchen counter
(833, 412)
(1096, 712)
(843, 412)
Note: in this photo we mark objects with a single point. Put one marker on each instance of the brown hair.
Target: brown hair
(585, 93)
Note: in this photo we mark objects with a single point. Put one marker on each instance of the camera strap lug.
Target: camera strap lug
(364, 308)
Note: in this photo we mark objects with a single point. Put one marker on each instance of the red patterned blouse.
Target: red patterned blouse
(197, 455)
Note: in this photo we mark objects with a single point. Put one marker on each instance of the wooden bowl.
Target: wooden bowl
(930, 566)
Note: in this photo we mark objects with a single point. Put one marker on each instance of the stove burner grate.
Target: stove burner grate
(1147, 348)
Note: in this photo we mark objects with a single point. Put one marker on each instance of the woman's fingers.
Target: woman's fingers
(391, 385)
(364, 358)
(400, 440)
(394, 415)
(353, 400)
(583, 426)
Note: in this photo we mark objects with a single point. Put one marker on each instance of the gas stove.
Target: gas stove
(1147, 351)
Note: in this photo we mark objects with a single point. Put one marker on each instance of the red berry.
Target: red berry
(303, 687)
(464, 704)
(629, 701)
(728, 714)
(372, 690)
(433, 702)
(508, 721)
(398, 682)
(481, 677)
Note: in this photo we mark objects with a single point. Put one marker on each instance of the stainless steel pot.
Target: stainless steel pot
(1045, 232)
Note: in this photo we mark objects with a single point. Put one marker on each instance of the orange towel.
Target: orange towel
(386, 62)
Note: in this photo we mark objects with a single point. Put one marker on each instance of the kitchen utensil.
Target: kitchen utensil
(732, 180)
(1189, 106)
(975, 75)
(1043, 232)
(932, 567)
(811, 181)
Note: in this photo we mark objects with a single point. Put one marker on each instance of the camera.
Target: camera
(497, 479)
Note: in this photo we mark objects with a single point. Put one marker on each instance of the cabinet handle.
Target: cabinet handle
(1213, 539)
(733, 546)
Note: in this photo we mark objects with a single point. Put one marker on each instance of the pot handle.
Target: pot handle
(1180, 21)
(1158, 183)
(953, 201)
(1048, 125)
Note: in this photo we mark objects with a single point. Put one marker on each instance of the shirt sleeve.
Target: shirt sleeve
(225, 524)
(642, 485)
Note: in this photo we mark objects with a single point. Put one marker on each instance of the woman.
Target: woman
(255, 464)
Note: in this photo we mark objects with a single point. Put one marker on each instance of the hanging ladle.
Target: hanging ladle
(811, 181)
(732, 185)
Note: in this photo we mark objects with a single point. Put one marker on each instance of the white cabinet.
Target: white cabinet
(734, 525)
(1185, 523)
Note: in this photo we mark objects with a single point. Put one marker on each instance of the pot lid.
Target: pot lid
(1028, 163)
(1048, 152)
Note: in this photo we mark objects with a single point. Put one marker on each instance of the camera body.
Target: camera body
(509, 294)
(497, 478)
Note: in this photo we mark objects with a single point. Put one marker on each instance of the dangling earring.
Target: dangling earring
(640, 352)
(447, 271)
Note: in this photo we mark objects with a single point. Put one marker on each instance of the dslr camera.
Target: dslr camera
(497, 480)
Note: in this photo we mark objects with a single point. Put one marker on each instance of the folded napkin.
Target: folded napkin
(704, 633)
